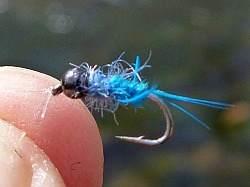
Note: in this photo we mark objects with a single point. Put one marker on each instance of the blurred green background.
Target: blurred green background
(199, 49)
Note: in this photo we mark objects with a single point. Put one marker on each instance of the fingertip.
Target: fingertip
(68, 134)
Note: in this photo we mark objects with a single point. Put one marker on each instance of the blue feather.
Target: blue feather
(213, 104)
(207, 103)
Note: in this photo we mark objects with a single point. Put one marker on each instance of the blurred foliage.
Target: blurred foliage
(200, 49)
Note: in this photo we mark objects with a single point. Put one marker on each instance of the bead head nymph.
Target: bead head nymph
(106, 87)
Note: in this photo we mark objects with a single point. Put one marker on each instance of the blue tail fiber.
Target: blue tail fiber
(137, 67)
(166, 96)
(207, 103)
(189, 114)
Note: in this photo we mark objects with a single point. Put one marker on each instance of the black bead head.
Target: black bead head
(73, 82)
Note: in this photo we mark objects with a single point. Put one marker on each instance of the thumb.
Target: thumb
(68, 134)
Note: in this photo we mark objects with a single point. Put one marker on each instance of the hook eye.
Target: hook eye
(169, 126)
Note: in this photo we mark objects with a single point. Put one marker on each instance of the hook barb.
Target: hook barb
(169, 126)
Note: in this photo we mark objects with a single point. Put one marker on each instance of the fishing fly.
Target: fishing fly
(104, 88)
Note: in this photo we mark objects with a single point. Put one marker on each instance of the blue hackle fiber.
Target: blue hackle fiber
(107, 89)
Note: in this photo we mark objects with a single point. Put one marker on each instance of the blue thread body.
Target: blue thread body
(120, 82)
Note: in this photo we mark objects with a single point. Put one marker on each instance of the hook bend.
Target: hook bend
(169, 126)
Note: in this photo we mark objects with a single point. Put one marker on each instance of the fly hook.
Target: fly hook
(169, 126)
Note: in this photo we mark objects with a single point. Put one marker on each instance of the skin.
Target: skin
(62, 149)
